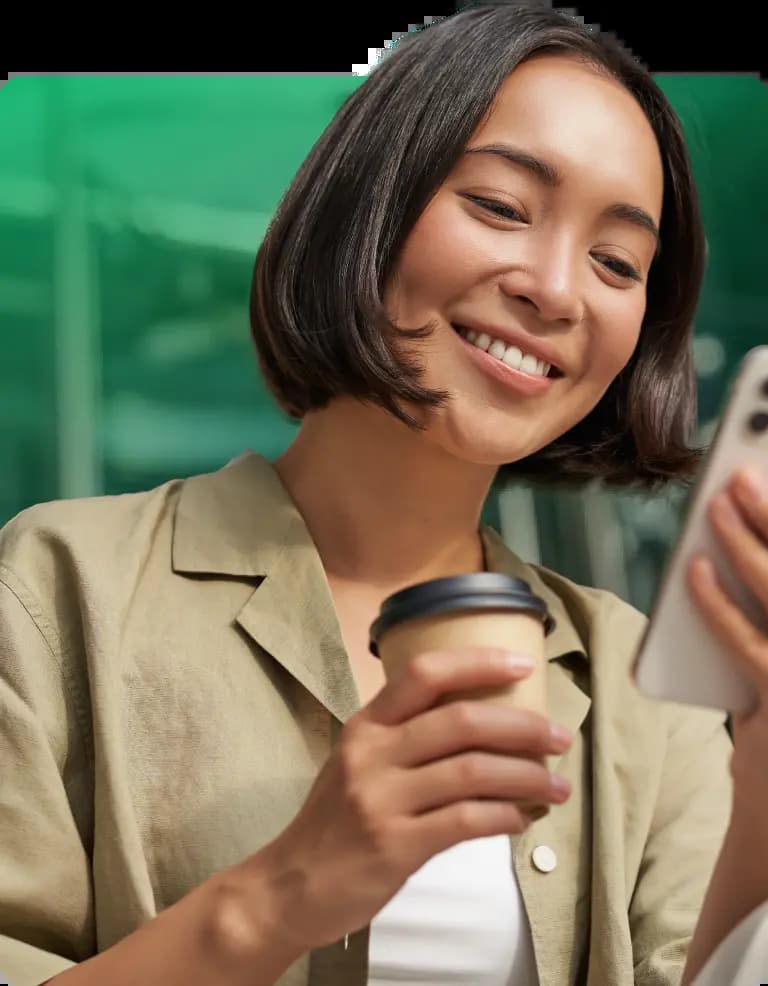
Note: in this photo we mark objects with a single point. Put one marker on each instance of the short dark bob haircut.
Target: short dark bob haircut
(317, 316)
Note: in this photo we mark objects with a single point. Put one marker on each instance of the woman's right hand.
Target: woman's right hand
(408, 779)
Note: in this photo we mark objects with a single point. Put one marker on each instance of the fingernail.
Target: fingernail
(561, 737)
(519, 662)
(560, 787)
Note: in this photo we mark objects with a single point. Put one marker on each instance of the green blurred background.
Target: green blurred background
(131, 208)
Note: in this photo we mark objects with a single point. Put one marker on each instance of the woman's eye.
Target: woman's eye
(620, 267)
(497, 208)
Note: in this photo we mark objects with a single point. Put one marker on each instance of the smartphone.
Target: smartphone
(679, 658)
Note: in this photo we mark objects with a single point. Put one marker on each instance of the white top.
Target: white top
(458, 921)
(742, 958)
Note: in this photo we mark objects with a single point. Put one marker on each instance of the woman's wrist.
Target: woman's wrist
(739, 882)
(749, 810)
(247, 913)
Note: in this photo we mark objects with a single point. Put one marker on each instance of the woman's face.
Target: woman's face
(541, 239)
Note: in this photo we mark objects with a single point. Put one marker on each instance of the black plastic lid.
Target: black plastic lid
(479, 590)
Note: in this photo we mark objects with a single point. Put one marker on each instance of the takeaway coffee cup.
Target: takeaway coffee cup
(486, 609)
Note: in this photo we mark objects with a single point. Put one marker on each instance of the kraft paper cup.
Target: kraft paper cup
(484, 609)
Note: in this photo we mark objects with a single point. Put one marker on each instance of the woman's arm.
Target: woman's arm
(202, 940)
(739, 881)
(739, 884)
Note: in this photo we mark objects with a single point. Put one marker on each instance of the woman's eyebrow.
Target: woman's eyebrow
(548, 174)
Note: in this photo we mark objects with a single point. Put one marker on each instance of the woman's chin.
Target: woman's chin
(478, 447)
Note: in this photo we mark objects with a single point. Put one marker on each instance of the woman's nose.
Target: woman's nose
(551, 286)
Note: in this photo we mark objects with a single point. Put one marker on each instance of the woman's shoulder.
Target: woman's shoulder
(100, 549)
(121, 528)
(99, 530)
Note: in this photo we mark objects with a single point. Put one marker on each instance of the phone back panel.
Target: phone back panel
(679, 657)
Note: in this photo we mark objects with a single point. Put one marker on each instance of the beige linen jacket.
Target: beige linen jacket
(172, 676)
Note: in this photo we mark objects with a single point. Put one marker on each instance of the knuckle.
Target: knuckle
(358, 800)
(471, 769)
(373, 825)
(467, 817)
(350, 758)
(466, 717)
(422, 670)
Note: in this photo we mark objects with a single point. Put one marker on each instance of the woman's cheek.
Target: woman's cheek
(617, 342)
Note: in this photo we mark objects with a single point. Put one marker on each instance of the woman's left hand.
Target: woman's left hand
(739, 517)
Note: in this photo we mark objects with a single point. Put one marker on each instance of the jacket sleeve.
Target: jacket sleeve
(689, 823)
(46, 905)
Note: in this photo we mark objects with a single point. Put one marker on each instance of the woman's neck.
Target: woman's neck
(384, 506)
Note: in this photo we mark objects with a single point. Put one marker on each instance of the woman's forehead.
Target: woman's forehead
(577, 119)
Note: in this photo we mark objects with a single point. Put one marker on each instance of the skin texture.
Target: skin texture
(551, 267)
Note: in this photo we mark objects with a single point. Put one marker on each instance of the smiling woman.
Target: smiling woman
(573, 164)
(462, 284)
(542, 282)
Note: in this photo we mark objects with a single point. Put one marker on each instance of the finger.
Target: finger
(468, 725)
(436, 831)
(426, 678)
(747, 551)
(480, 775)
(750, 491)
(745, 644)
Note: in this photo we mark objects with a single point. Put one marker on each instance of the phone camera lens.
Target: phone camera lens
(759, 421)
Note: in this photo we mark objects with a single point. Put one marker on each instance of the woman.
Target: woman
(487, 267)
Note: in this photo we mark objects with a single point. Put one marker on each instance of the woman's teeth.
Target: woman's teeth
(510, 355)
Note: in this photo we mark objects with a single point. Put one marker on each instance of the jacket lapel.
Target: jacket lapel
(291, 616)
(240, 522)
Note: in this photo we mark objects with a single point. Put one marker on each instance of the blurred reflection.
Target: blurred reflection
(130, 212)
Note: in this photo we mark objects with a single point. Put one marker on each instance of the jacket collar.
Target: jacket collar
(241, 522)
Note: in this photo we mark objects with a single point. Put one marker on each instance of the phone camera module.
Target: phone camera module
(758, 422)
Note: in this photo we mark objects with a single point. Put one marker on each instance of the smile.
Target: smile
(512, 356)
(521, 372)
